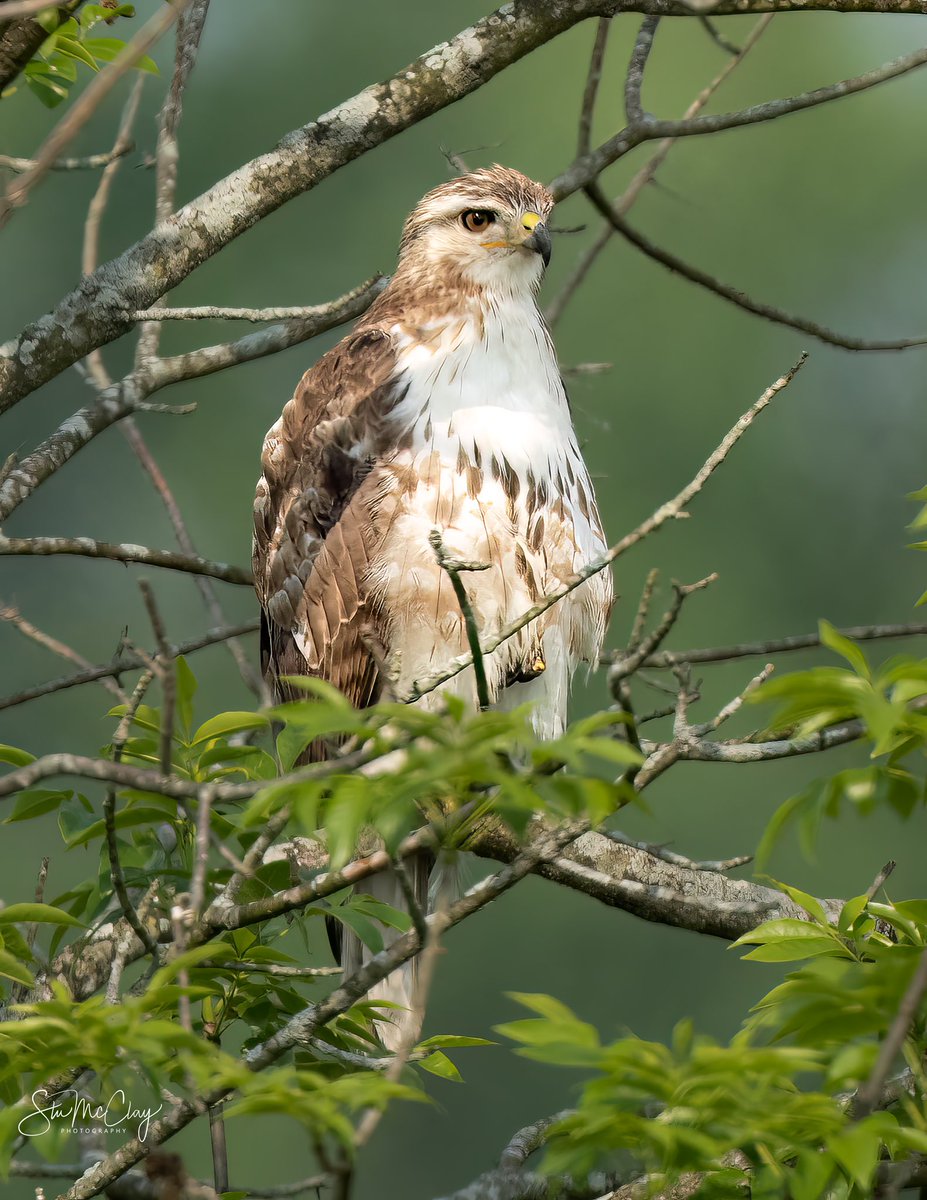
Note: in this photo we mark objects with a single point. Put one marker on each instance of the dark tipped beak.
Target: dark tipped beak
(540, 241)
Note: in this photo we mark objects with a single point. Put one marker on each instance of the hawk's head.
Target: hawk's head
(490, 226)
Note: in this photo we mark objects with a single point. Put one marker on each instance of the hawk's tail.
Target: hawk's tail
(399, 987)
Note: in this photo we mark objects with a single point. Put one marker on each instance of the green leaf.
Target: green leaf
(35, 803)
(44, 914)
(226, 723)
(185, 679)
(17, 758)
(834, 640)
(439, 1064)
(446, 1041)
(13, 969)
(106, 49)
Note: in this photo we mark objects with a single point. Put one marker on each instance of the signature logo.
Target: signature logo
(74, 1110)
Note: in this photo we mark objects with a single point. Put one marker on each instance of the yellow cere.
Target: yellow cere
(530, 220)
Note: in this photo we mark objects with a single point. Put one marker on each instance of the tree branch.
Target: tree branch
(757, 307)
(126, 662)
(124, 552)
(671, 510)
(804, 641)
(96, 313)
(129, 394)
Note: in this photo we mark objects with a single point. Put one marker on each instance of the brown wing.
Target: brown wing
(314, 518)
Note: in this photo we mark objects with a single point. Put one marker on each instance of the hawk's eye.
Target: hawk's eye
(477, 219)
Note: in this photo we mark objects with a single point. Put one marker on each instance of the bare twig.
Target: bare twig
(189, 32)
(585, 170)
(637, 653)
(591, 91)
(716, 36)
(126, 662)
(97, 207)
(125, 552)
(644, 176)
(9, 612)
(633, 107)
(89, 162)
(805, 641)
(867, 1097)
(109, 817)
(166, 677)
(873, 889)
(671, 510)
(86, 104)
(279, 970)
(741, 299)
(680, 860)
(125, 396)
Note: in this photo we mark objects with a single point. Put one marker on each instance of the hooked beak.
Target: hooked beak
(539, 241)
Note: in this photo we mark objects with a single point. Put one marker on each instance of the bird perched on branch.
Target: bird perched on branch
(443, 410)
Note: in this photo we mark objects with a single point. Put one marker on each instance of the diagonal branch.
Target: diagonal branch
(123, 663)
(124, 552)
(129, 394)
(804, 641)
(757, 307)
(671, 510)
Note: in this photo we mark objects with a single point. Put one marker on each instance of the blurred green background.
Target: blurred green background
(821, 213)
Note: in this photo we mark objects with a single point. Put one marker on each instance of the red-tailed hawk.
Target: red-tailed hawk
(443, 409)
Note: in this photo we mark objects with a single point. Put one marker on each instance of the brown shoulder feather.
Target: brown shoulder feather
(313, 513)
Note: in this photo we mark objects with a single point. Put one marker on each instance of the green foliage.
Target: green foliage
(774, 1105)
(889, 702)
(456, 768)
(53, 70)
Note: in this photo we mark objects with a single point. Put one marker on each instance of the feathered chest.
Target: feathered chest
(483, 395)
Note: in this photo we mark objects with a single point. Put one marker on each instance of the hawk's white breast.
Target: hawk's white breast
(491, 459)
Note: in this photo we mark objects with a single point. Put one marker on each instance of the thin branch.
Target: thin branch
(805, 641)
(680, 860)
(164, 666)
(9, 612)
(671, 510)
(867, 1098)
(125, 552)
(633, 107)
(757, 307)
(627, 665)
(97, 207)
(453, 569)
(585, 170)
(279, 970)
(708, 25)
(215, 312)
(125, 397)
(206, 588)
(189, 32)
(109, 817)
(591, 90)
(644, 176)
(126, 662)
(81, 110)
(528, 1141)
(89, 162)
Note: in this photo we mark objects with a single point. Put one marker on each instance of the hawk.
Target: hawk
(443, 409)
